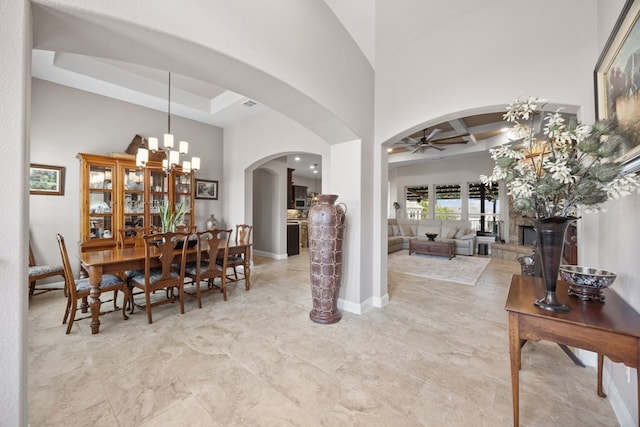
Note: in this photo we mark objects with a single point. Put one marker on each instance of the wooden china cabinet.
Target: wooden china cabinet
(115, 194)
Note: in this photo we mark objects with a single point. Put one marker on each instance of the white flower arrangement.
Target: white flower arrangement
(573, 165)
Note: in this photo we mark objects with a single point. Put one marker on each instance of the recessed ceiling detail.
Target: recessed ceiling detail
(462, 136)
(463, 131)
(192, 99)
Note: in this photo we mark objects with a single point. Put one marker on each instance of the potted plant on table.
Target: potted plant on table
(571, 165)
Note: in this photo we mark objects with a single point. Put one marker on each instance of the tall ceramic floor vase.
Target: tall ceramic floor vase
(326, 232)
(550, 242)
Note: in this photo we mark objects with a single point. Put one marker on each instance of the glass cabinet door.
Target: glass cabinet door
(183, 194)
(158, 194)
(100, 202)
(134, 200)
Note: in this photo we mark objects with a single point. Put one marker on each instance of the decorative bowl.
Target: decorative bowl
(431, 236)
(587, 283)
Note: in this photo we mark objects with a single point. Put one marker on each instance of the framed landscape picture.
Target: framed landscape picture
(617, 80)
(206, 189)
(48, 180)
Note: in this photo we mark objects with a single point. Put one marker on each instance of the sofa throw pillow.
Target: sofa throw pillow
(465, 233)
(449, 232)
(460, 232)
(406, 230)
(396, 230)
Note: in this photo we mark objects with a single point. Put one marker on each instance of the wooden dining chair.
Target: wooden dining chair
(243, 237)
(39, 272)
(191, 229)
(163, 269)
(132, 236)
(80, 288)
(205, 268)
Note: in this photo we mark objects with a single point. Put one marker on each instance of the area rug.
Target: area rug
(460, 269)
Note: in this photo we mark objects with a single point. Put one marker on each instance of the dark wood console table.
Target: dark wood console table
(609, 329)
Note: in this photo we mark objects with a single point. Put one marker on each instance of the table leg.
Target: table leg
(600, 367)
(514, 353)
(95, 278)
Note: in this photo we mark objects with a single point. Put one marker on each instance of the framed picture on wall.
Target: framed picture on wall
(206, 189)
(617, 80)
(48, 180)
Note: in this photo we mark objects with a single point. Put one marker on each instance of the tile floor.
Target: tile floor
(436, 355)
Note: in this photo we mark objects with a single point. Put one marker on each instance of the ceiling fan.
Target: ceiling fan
(419, 145)
(427, 141)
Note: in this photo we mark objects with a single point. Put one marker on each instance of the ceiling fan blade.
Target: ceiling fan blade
(436, 147)
(409, 140)
(418, 148)
(433, 134)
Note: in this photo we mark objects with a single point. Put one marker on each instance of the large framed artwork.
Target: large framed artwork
(617, 80)
(206, 189)
(48, 180)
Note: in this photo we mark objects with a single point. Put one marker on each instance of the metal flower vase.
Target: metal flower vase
(326, 232)
(550, 242)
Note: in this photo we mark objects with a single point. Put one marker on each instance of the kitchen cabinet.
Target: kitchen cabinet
(293, 239)
(302, 232)
(290, 197)
(299, 192)
(115, 194)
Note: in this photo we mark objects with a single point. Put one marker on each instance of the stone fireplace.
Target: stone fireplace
(520, 229)
(526, 235)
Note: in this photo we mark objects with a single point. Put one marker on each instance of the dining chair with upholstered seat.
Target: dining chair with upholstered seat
(161, 257)
(243, 237)
(39, 272)
(205, 268)
(80, 288)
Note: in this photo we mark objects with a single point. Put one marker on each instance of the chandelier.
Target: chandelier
(172, 156)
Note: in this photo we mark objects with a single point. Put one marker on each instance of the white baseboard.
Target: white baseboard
(380, 302)
(270, 255)
(623, 415)
(355, 308)
(619, 408)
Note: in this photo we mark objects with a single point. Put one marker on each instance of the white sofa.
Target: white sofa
(401, 230)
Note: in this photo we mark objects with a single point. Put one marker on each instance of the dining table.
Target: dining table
(97, 263)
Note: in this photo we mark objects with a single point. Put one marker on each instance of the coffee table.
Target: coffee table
(430, 247)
